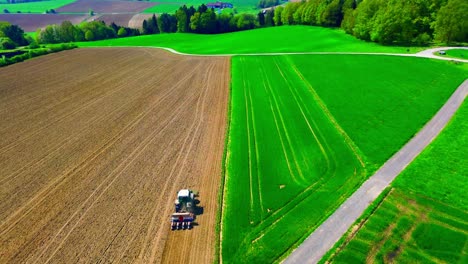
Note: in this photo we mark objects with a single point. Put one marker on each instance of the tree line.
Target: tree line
(88, 31)
(410, 22)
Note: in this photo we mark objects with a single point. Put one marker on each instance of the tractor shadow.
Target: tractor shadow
(198, 210)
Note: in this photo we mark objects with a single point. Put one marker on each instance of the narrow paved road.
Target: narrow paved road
(429, 53)
(327, 234)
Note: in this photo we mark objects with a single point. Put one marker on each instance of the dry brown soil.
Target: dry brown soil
(94, 145)
(31, 22)
(106, 6)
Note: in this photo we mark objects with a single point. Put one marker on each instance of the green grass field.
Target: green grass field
(169, 6)
(273, 39)
(424, 218)
(34, 7)
(306, 131)
(458, 53)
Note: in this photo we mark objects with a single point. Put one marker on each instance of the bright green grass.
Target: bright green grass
(289, 165)
(431, 193)
(381, 101)
(240, 5)
(273, 39)
(35, 7)
(409, 228)
(162, 8)
(457, 53)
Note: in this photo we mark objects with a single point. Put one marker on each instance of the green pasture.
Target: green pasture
(34, 7)
(166, 6)
(169, 8)
(381, 101)
(307, 130)
(288, 164)
(424, 219)
(457, 53)
(265, 40)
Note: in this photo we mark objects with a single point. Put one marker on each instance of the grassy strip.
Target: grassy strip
(457, 53)
(219, 214)
(35, 7)
(429, 208)
(32, 53)
(264, 40)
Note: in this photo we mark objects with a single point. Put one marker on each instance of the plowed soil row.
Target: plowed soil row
(94, 144)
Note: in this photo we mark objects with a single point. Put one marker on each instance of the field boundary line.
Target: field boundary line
(423, 54)
(329, 232)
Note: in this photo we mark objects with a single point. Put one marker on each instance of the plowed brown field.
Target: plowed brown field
(94, 144)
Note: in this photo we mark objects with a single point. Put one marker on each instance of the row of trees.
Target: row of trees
(12, 36)
(383, 21)
(95, 30)
(406, 21)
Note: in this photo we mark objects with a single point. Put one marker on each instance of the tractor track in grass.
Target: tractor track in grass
(96, 151)
(330, 231)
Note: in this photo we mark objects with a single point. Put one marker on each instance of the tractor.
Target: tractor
(184, 213)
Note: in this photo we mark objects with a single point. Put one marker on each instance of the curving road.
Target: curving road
(327, 234)
(429, 53)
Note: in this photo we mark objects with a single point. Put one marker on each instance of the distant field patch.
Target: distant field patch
(31, 22)
(424, 219)
(34, 7)
(273, 39)
(169, 8)
(307, 130)
(118, 19)
(83, 6)
(166, 5)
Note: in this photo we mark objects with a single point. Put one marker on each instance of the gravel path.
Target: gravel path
(327, 234)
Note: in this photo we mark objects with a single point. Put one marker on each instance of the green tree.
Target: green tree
(122, 32)
(13, 32)
(277, 17)
(246, 21)
(208, 22)
(269, 18)
(261, 18)
(195, 22)
(452, 22)
(89, 35)
(182, 19)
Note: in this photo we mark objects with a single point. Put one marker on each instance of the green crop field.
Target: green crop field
(273, 39)
(34, 7)
(458, 53)
(424, 218)
(307, 130)
(169, 6)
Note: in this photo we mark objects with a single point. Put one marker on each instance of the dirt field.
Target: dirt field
(137, 20)
(94, 144)
(31, 22)
(103, 6)
(118, 19)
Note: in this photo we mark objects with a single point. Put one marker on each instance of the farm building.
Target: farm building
(219, 5)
